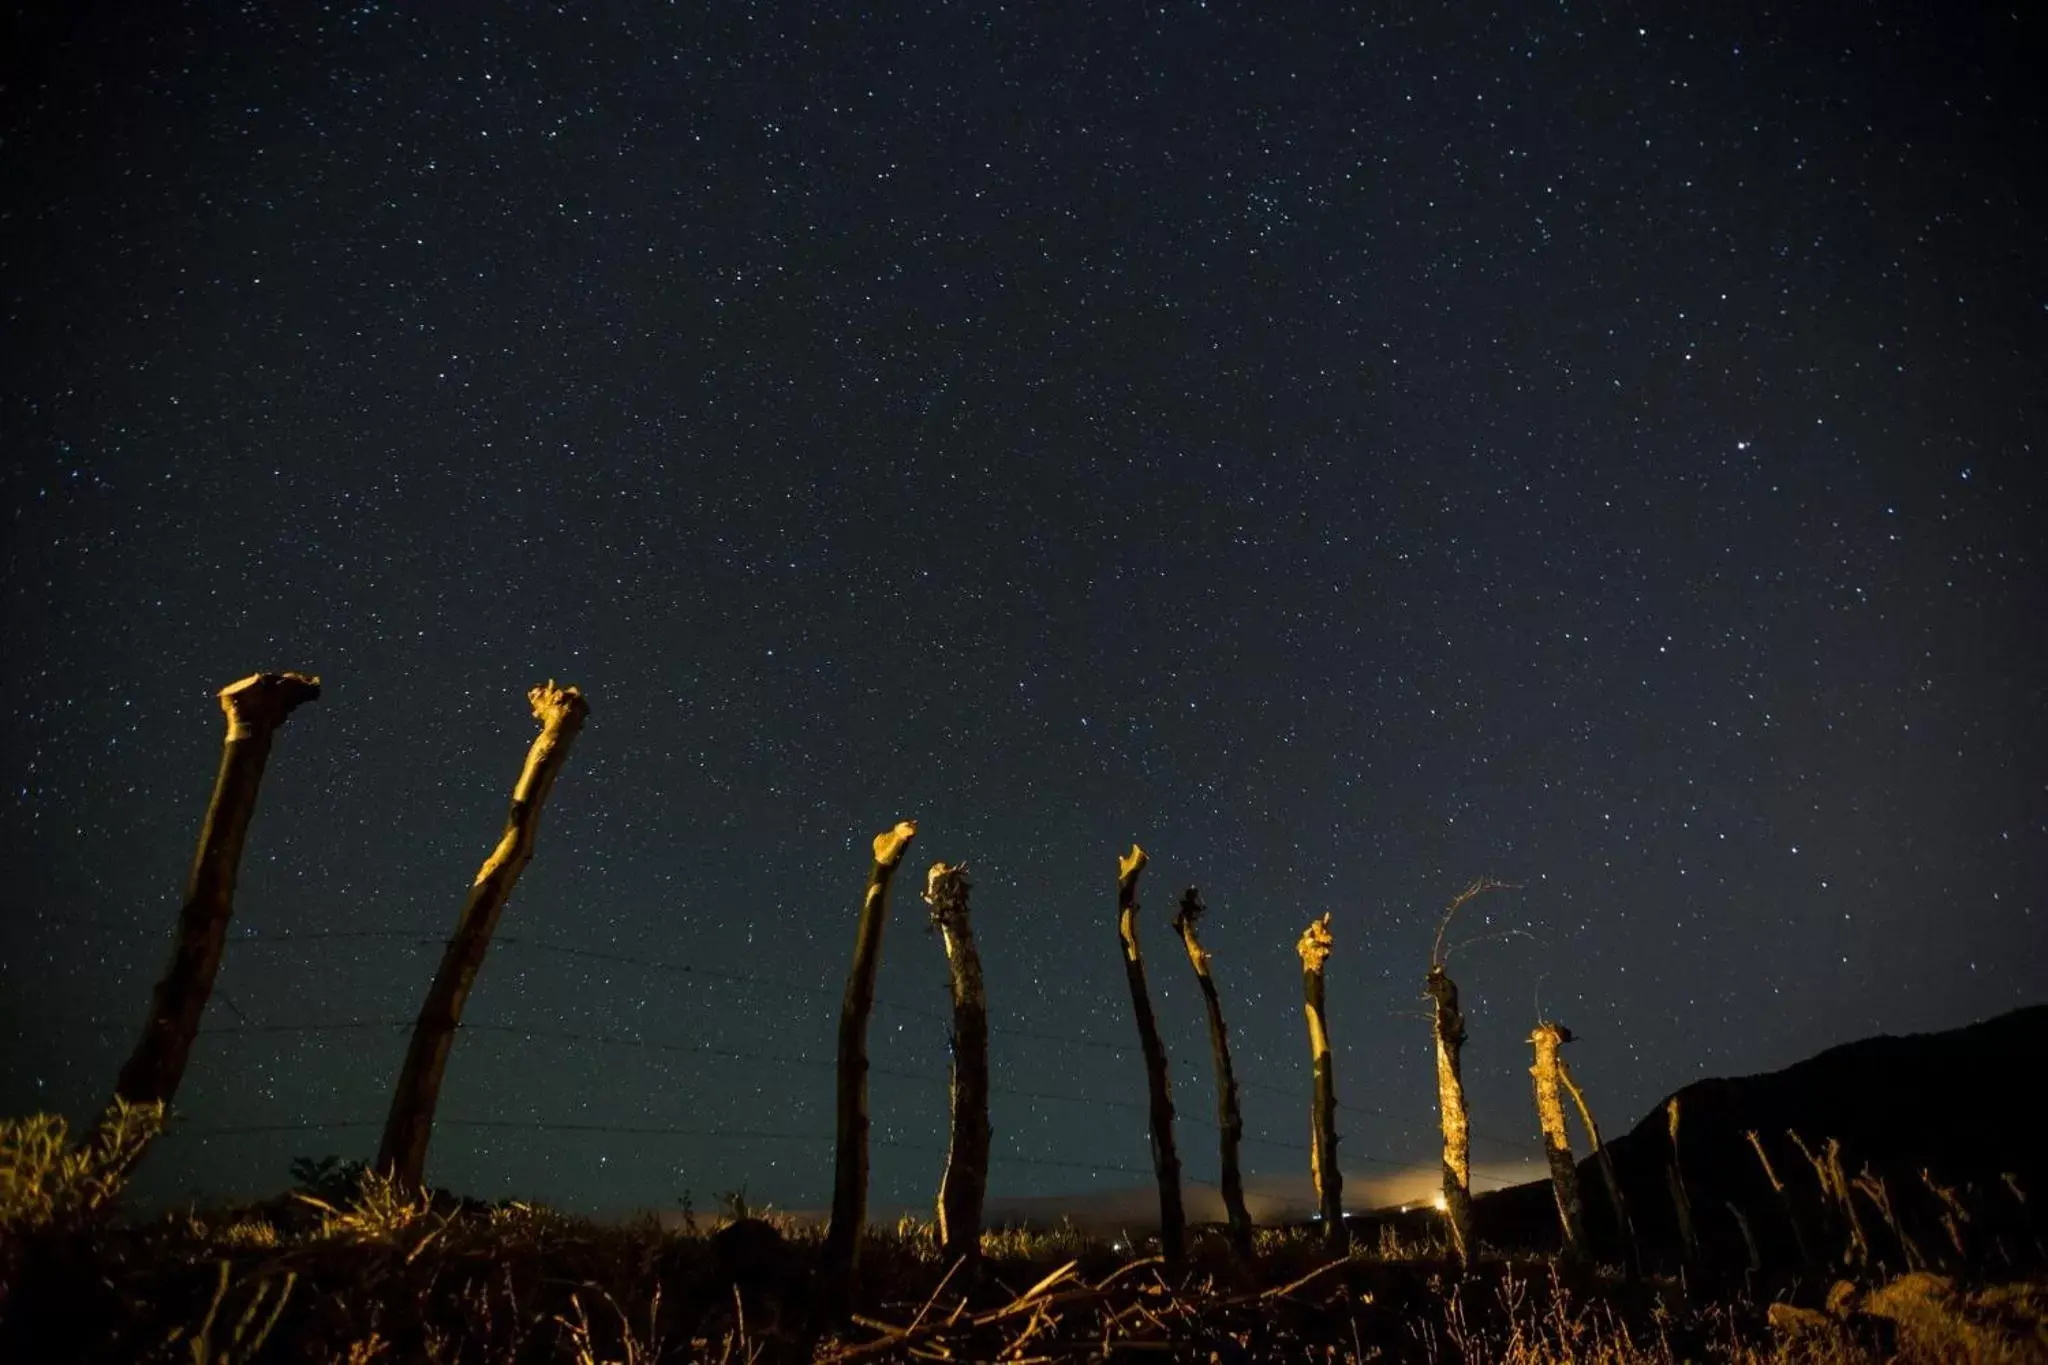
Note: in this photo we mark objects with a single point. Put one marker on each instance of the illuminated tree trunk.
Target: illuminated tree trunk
(1314, 949)
(1229, 1119)
(1165, 1161)
(1557, 1143)
(965, 1185)
(1624, 1227)
(255, 708)
(1457, 1129)
(850, 1166)
(402, 1154)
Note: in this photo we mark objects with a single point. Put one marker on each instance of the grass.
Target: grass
(362, 1272)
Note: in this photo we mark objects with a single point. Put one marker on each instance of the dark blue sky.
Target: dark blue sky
(1346, 451)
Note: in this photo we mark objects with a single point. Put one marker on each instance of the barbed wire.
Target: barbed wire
(244, 1026)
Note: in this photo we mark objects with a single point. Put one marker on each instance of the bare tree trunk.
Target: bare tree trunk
(1314, 949)
(1229, 1119)
(255, 708)
(850, 1165)
(1165, 1161)
(1624, 1226)
(1557, 1143)
(965, 1185)
(1457, 1128)
(402, 1154)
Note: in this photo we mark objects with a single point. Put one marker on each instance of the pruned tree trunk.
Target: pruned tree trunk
(1457, 1128)
(1557, 1143)
(964, 1187)
(1624, 1226)
(255, 707)
(850, 1164)
(1314, 949)
(402, 1154)
(1449, 1027)
(1229, 1118)
(1165, 1161)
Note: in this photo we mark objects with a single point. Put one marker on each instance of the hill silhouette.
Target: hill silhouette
(1956, 1110)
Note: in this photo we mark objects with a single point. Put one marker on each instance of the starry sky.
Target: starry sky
(1346, 449)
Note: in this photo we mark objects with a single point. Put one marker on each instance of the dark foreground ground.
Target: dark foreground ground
(380, 1279)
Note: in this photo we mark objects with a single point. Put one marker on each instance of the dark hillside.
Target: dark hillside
(1957, 1109)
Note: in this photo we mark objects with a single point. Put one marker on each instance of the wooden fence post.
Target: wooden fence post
(964, 1186)
(1229, 1118)
(255, 708)
(850, 1162)
(1165, 1161)
(1557, 1143)
(402, 1153)
(1314, 949)
(1457, 1130)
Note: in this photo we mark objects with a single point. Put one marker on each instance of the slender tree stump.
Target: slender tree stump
(1314, 949)
(1624, 1226)
(255, 708)
(1229, 1118)
(850, 1163)
(1457, 1128)
(402, 1154)
(964, 1187)
(1557, 1143)
(1165, 1160)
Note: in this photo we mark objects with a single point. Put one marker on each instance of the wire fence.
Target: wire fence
(244, 1027)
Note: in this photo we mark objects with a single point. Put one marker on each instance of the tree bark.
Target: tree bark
(1624, 1226)
(850, 1164)
(255, 707)
(1457, 1128)
(1229, 1118)
(1165, 1161)
(964, 1187)
(1314, 949)
(1557, 1143)
(402, 1154)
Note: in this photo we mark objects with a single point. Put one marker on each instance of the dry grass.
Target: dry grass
(364, 1272)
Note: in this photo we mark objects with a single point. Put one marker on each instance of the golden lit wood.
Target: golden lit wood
(1314, 950)
(964, 1186)
(255, 708)
(1229, 1119)
(1557, 1143)
(402, 1154)
(850, 1163)
(1165, 1160)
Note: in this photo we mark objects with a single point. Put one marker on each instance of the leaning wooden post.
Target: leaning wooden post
(1314, 949)
(1165, 1161)
(1229, 1118)
(964, 1187)
(1624, 1227)
(1450, 1091)
(1557, 1143)
(850, 1164)
(1449, 1027)
(402, 1154)
(255, 708)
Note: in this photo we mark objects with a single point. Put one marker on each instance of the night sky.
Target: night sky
(1347, 451)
